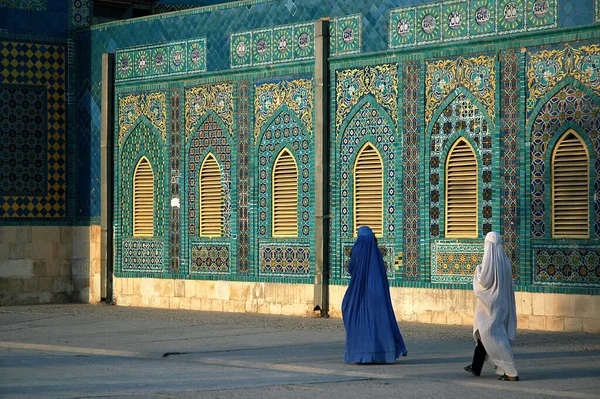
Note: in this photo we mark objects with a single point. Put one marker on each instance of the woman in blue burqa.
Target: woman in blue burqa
(372, 333)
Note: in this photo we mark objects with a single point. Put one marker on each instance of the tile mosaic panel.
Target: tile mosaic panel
(510, 152)
(24, 146)
(546, 68)
(34, 98)
(81, 11)
(466, 19)
(142, 255)
(387, 252)
(30, 5)
(597, 9)
(285, 131)
(460, 117)
(176, 139)
(210, 258)
(564, 265)
(411, 195)
(212, 137)
(296, 95)
(346, 35)
(284, 259)
(203, 99)
(277, 44)
(379, 81)
(166, 59)
(144, 140)
(569, 107)
(150, 106)
(476, 74)
(453, 262)
(243, 173)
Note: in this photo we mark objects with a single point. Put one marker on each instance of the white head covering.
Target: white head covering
(495, 322)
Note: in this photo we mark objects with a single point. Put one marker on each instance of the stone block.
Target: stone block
(18, 234)
(195, 303)
(66, 234)
(424, 316)
(229, 306)
(147, 288)
(39, 268)
(537, 322)
(80, 268)
(263, 307)
(190, 288)
(61, 285)
(205, 304)
(564, 305)
(16, 251)
(251, 306)
(81, 250)
(174, 303)
(523, 322)
(275, 308)
(538, 304)
(185, 303)
(454, 318)
(591, 325)
(258, 291)
(4, 251)
(45, 284)
(239, 291)
(136, 301)
(239, 306)
(222, 290)
(585, 306)
(438, 317)
(179, 288)
(216, 305)
(554, 323)
(467, 319)
(31, 285)
(270, 292)
(163, 302)
(64, 268)
(95, 232)
(81, 234)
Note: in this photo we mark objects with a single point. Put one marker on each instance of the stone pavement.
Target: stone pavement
(102, 351)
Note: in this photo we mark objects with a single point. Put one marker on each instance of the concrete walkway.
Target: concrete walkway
(101, 351)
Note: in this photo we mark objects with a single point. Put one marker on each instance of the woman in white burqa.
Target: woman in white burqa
(495, 322)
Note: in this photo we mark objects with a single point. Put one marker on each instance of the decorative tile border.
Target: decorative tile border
(142, 255)
(566, 265)
(284, 259)
(453, 262)
(209, 258)
(387, 251)
(450, 21)
(152, 106)
(199, 100)
(345, 35)
(167, 59)
(29, 5)
(275, 45)
(597, 7)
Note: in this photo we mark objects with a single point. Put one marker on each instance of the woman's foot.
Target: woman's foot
(508, 378)
(498, 371)
(469, 369)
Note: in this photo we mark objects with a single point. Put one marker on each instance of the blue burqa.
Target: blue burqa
(372, 333)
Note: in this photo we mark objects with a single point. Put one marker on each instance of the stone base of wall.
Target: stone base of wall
(49, 264)
(535, 311)
(216, 296)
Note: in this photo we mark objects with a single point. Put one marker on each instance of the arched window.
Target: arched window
(143, 199)
(211, 198)
(570, 187)
(368, 190)
(285, 195)
(461, 191)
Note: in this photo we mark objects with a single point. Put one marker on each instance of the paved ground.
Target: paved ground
(101, 351)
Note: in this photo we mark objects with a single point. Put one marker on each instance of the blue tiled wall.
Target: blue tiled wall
(51, 20)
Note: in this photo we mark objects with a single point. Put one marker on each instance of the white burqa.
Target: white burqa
(495, 321)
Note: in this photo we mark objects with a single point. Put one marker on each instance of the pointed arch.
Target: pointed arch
(461, 191)
(570, 187)
(282, 110)
(143, 199)
(285, 195)
(210, 193)
(370, 99)
(449, 99)
(368, 189)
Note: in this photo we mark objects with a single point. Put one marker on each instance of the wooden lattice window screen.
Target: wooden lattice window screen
(143, 199)
(570, 187)
(368, 190)
(461, 191)
(211, 198)
(285, 195)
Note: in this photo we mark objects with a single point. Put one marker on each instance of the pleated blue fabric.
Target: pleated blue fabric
(372, 333)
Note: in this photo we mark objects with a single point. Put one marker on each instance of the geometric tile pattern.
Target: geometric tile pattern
(142, 255)
(372, 124)
(277, 44)
(345, 35)
(243, 177)
(285, 131)
(24, 145)
(387, 252)
(209, 258)
(284, 260)
(80, 12)
(467, 19)
(380, 81)
(510, 149)
(546, 68)
(152, 106)
(411, 196)
(216, 98)
(453, 262)
(34, 103)
(165, 59)
(569, 107)
(461, 115)
(597, 10)
(176, 138)
(296, 95)
(566, 265)
(31, 5)
(211, 137)
(476, 74)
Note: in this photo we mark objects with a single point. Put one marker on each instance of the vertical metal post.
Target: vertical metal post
(321, 294)
(106, 176)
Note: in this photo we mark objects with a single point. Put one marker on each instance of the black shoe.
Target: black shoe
(469, 369)
(508, 378)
